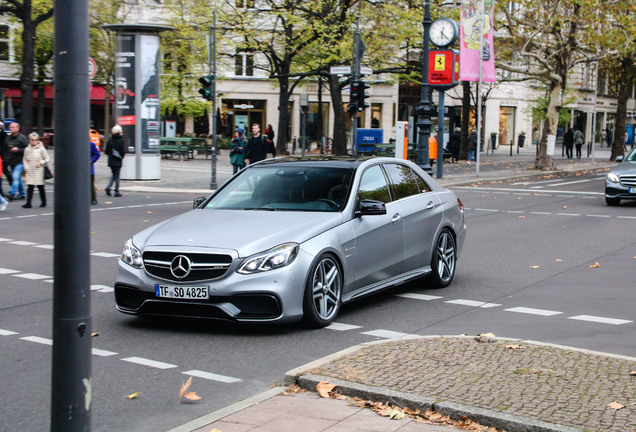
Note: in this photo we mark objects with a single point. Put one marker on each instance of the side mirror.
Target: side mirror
(371, 207)
(620, 158)
(198, 201)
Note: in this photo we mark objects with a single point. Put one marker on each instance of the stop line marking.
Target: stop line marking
(532, 311)
(212, 376)
(151, 363)
(602, 320)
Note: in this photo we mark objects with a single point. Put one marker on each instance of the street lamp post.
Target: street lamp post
(425, 109)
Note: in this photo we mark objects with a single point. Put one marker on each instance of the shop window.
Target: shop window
(376, 115)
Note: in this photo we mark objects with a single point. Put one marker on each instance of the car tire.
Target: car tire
(444, 260)
(323, 292)
(612, 201)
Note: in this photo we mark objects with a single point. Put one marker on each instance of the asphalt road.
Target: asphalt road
(528, 270)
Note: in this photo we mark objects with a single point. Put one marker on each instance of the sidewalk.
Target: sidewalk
(512, 385)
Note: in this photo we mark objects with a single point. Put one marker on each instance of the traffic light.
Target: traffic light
(362, 104)
(358, 95)
(353, 107)
(206, 87)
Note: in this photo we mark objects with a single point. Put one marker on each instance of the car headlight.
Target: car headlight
(613, 178)
(275, 258)
(131, 255)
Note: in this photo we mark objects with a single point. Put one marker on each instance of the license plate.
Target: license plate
(192, 293)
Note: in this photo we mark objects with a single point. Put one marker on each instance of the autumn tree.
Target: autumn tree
(30, 13)
(543, 39)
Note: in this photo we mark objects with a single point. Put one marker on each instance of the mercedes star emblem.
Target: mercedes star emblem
(180, 266)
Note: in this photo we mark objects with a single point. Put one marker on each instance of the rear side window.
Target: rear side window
(405, 181)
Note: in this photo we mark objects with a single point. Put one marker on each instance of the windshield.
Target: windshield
(289, 188)
(631, 157)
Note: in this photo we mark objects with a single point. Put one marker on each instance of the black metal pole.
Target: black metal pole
(212, 70)
(440, 135)
(424, 110)
(71, 383)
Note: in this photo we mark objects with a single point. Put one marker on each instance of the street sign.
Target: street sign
(340, 70)
(366, 70)
(92, 68)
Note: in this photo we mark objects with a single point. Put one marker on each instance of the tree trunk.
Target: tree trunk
(543, 160)
(339, 145)
(283, 116)
(41, 108)
(26, 77)
(624, 86)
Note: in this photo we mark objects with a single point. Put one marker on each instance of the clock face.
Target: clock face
(443, 32)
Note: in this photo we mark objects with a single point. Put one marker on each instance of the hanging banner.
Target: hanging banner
(476, 15)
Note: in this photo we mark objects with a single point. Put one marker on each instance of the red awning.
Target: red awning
(97, 93)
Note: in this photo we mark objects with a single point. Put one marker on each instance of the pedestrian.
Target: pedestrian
(568, 143)
(256, 145)
(271, 148)
(35, 158)
(237, 151)
(578, 142)
(609, 137)
(472, 144)
(116, 150)
(432, 148)
(626, 139)
(95, 154)
(3, 201)
(3, 155)
(16, 143)
(454, 142)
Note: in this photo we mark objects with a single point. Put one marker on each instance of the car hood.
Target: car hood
(625, 168)
(246, 232)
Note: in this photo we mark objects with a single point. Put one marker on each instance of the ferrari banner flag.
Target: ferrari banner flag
(477, 15)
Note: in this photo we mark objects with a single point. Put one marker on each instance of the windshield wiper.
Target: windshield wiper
(261, 208)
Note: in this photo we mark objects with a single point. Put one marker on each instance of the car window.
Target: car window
(373, 186)
(291, 188)
(632, 156)
(404, 181)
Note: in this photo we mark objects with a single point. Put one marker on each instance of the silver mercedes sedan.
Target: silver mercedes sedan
(293, 239)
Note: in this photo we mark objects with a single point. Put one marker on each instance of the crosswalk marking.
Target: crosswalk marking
(342, 327)
(37, 339)
(32, 276)
(418, 296)
(531, 311)
(147, 362)
(472, 303)
(8, 271)
(102, 353)
(386, 334)
(7, 332)
(212, 376)
(602, 320)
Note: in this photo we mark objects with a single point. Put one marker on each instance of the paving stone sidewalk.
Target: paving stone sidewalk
(527, 380)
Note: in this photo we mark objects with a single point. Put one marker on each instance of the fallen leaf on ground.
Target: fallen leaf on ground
(515, 347)
(522, 217)
(392, 414)
(133, 396)
(324, 388)
(595, 265)
(149, 212)
(145, 221)
(184, 393)
(94, 334)
(534, 266)
(616, 406)
(565, 207)
(559, 260)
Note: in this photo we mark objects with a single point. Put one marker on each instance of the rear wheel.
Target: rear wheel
(444, 260)
(612, 201)
(323, 292)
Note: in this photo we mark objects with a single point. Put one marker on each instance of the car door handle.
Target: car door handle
(430, 205)
(396, 218)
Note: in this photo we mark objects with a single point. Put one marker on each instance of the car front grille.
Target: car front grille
(628, 180)
(202, 266)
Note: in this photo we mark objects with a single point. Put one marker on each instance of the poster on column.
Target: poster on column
(477, 15)
(125, 88)
(149, 111)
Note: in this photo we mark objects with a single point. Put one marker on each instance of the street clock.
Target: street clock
(443, 32)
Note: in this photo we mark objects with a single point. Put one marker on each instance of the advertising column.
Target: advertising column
(137, 98)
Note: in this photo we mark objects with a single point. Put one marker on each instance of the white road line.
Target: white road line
(601, 320)
(568, 214)
(102, 288)
(532, 311)
(472, 303)
(574, 182)
(147, 362)
(533, 190)
(514, 211)
(22, 243)
(387, 334)
(625, 217)
(7, 332)
(418, 296)
(44, 246)
(32, 276)
(8, 271)
(39, 340)
(342, 327)
(212, 376)
(25, 216)
(105, 254)
(599, 216)
(5, 239)
(540, 213)
(102, 353)
(487, 210)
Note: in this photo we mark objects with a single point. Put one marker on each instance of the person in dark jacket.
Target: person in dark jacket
(568, 142)
(472, 145)
(256, 146)
(94, 156)
(116, 150)
(271, 147)
(16, 143)
(454, 143)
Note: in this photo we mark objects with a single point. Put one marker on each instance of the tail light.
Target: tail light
(461, 206)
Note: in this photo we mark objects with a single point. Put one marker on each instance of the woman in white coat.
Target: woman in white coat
(35, 158)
